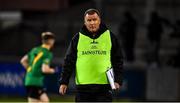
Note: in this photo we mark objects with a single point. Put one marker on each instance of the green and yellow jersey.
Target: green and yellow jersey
(36, 57)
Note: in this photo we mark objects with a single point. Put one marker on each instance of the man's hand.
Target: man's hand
(117, 86)
(62, 89)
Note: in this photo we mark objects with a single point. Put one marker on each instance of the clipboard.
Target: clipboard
(110, 76)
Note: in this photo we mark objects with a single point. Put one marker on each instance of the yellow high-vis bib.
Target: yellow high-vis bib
(93, 59)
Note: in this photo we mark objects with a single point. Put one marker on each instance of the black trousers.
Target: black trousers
(93, 95)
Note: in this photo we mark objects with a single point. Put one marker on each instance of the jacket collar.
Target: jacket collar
(101, 30)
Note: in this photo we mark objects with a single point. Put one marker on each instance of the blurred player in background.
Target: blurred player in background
(37, 63)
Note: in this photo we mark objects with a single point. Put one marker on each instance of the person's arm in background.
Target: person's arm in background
(47, 69)
(24, 61)
(46, 65)
(69, 65)
(117, 61)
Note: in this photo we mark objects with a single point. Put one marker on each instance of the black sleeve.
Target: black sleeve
(69, 61)
(116, 59)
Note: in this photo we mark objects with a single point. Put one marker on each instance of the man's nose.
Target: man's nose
(92, 22)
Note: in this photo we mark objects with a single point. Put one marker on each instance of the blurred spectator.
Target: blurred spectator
(127, 31)
(155, 30)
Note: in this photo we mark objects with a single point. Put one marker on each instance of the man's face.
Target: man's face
(92, 22)
(51, 42)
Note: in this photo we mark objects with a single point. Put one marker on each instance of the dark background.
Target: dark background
(146, 78)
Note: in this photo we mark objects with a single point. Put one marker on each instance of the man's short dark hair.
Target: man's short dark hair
(91, 12)
(46, 36)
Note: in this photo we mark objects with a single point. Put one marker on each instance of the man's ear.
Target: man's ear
(84, 22)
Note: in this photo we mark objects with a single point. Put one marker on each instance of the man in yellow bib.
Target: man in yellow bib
(91, 53)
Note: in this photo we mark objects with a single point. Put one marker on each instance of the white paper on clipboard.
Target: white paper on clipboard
(110, 76)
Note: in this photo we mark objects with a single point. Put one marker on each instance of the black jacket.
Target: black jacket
(71, 55)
